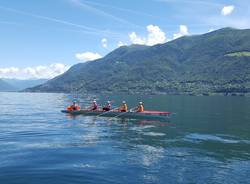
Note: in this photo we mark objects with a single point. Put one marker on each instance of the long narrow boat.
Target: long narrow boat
(152, 115)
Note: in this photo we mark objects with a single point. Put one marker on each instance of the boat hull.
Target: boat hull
(129, 115)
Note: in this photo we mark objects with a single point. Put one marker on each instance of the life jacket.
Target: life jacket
(124, 107)
(140, 108)
(74, 108)
(69, 108)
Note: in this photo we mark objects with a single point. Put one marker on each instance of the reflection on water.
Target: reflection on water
(150, 155)
(203, 143)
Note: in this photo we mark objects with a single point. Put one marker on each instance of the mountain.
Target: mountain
(215, 62)
(4, 86)
(18, 84)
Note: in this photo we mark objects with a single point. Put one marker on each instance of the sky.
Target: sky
(43, 38)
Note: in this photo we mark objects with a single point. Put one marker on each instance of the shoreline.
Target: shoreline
(138, 93)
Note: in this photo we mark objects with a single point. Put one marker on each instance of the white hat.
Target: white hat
(108, 101)
(140, 103)
(123, 102)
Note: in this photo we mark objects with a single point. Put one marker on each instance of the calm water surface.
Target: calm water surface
(206, 141)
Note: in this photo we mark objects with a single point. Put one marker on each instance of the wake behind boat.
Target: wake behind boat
(152, 115)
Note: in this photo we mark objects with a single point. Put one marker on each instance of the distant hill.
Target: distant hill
(18, 84)
(4, 86)
(215, 62)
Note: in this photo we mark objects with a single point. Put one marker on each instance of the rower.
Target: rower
(107, 106)
(74, 107)
(94, 106)
(140, 107)
(124, 107)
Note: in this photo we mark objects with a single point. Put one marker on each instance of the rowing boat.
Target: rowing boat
(153, 115)
(130, 115)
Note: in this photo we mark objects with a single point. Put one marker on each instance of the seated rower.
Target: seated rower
(140, 107)
(94, 106)
(74, 107)
(124, 107)
(107, 106)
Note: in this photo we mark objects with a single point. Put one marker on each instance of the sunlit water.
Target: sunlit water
(207, 140)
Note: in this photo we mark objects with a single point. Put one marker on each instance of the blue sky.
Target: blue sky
(44, 37)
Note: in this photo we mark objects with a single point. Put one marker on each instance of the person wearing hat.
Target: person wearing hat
(94, 106)
(107, 106)
(74, 107)
(140, 107)
(124, 107)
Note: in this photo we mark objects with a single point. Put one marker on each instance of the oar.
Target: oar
(106, 112)
(123, 113)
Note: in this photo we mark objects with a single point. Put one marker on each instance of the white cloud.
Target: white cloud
(37, 72)
(136, 39)
(155, 36)
(226, 10)
(104, 42)
(88, 56)
(210, 30)
(120, 43)
(183, 31)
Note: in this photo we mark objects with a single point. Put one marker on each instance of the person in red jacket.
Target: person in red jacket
(74, 107)
(140, 107)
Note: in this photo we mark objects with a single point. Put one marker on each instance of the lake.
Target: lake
(207, 140)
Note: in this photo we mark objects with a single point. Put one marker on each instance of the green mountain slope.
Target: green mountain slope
(208, 63)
